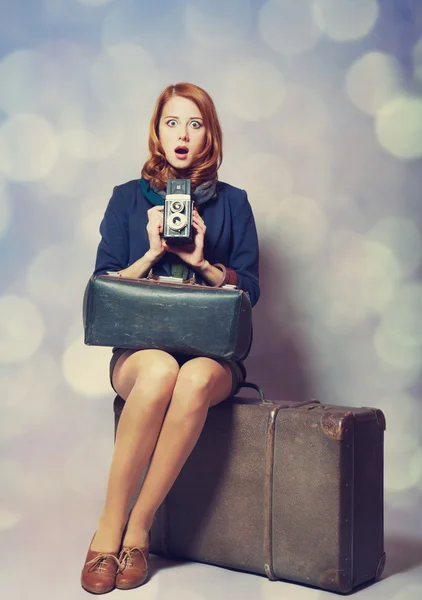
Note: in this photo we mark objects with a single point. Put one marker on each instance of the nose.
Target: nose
(183, 134)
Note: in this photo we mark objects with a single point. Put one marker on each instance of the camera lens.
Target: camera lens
(177, 221)
(176, 206)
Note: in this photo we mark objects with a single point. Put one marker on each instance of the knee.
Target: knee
(162, 367)
(157, 376)
(195, 387)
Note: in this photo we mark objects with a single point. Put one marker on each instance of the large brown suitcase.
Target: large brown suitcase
(289, 491)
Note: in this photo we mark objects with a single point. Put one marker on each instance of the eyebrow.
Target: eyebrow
(174, 117)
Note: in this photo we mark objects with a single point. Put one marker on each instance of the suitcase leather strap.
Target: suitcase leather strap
(268, 495)
(269, 485)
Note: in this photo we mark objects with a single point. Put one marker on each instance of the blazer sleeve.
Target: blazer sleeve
(113, 249)
(244, 255)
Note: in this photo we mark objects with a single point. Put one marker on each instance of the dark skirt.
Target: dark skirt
(237, 367)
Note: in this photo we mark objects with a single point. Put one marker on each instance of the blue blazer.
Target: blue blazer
(230, 239)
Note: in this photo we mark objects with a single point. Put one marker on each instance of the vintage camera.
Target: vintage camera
(178, 207)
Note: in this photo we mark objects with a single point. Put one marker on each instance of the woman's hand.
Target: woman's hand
(192, 254)
(154, 229)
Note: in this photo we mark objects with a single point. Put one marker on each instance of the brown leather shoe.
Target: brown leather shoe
(134, 567)
(99, 571)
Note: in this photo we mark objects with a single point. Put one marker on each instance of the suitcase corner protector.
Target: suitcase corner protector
(381, 420)
(381, 566)
(336, 424)
(269, 572)
(336, 580)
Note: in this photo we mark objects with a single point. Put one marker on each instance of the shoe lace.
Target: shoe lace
(126, 556)
(97, 564)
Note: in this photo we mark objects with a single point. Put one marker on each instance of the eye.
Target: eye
(196, 124)
(172, 122)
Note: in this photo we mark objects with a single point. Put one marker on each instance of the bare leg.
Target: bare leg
(201, 383)
(145, 379)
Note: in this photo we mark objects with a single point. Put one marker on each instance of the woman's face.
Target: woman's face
(181, 132)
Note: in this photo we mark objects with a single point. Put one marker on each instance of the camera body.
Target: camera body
(178, 210)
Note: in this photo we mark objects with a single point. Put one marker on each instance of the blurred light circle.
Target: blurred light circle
(301, 118)
(362, 278)
(393, 380)
(218, 23)
(417, 60)
(124, 77)
(5, 208)
(399, 126)
(407, 443)
(11, 426)
(396, 351)
(402, 317)
(121, 25)
(57, 276)
(90, 137)
(86, 368)
(126, 163)
(398, 338)
(264, 176)
(9, 519)
(248, 100)
(403, 238)
(65, 177)
(345, 20)
(28, 147)
(403, 500)
(398, 475)
(94, 2)
(412, 591)
(415, 464)
(346, 209)
(21, 329)
(20, 73)
(84, 475)
(287, 27)
(88, 227)
(372, 80)
(38, 379)
(11, 473)
(42, 83)
(401, 411)
(298, 224)
(46, 484)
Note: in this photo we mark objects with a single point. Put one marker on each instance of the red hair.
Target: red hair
(156, 169)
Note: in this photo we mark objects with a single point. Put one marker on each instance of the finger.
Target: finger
(155, 209)
(199, 222)
(156, 219)
(199, 227)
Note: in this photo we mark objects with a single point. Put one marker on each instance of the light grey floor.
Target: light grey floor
(51, 571)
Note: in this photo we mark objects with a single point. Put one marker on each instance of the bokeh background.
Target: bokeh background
(321, 107)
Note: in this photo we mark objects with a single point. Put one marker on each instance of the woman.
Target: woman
(167, 397)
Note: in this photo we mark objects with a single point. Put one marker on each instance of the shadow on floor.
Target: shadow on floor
(158, 563)
(403, 554)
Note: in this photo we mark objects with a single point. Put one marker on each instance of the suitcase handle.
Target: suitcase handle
(254, 386)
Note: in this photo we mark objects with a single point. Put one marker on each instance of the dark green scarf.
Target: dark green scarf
(202, 194)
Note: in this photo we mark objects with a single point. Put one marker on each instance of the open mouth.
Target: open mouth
(181, 150)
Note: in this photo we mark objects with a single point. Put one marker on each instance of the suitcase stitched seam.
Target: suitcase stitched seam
(268, 494)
